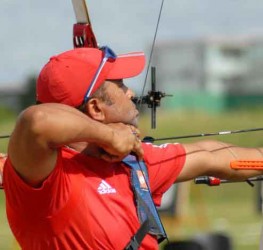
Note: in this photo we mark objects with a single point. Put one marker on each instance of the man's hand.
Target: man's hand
(125, 140)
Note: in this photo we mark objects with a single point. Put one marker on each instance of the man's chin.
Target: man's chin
(135, 122)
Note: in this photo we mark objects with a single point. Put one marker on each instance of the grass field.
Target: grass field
(229, 208)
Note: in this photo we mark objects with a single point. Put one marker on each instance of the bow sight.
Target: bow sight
(152, 99)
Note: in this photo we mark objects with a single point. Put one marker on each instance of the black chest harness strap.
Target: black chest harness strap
(146, 210)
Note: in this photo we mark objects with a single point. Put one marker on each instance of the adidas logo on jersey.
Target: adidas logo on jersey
(105, 188)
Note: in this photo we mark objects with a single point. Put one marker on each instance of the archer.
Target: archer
(77, 175)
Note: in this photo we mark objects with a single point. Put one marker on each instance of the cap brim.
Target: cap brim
(127, 65)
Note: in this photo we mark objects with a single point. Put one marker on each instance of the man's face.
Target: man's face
(121, 109)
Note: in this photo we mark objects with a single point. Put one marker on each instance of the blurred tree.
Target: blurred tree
(29, 96)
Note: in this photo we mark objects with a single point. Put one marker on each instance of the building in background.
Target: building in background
(214, 74)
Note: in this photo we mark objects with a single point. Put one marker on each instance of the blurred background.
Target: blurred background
(208, 55)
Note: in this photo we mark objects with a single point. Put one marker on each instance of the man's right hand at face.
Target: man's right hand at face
(125, 140)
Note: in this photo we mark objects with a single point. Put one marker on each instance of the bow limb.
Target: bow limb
(83, 35)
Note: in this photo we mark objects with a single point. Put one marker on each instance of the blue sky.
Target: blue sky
(34, 30)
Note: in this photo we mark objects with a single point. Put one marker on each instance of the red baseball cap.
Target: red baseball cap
(67, 76)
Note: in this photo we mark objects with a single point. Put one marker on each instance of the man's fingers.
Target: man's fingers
(137, 150)
(118, 156)
(135, 131)
(126, 140)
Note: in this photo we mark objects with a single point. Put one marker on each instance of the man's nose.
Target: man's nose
(130, 93)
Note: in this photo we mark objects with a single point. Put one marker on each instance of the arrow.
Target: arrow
(151, 139)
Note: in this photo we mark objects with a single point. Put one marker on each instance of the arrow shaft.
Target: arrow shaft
(150, 139)
(204, 134)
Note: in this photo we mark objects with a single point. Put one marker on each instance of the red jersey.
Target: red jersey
(86, 203)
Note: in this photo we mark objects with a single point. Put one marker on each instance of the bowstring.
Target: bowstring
(142, 93)
(151, 54)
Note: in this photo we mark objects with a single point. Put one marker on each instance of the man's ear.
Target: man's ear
(95, 109)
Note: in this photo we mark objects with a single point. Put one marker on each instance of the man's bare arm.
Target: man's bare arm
(41, 129)
(213, 158)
